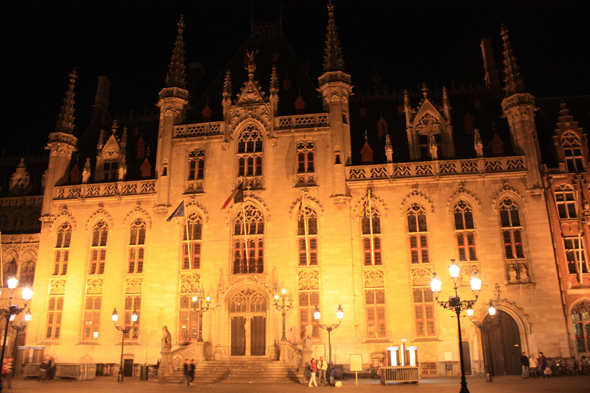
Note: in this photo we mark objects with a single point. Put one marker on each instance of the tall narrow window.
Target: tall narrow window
(418, 232)
(565, 198)
(307, 236)
(98, 249)
(191, 246)
(574, 252)
(92, 307)
(250, 156)
(248, 241)
(465, 231)
(132, 303)
(572, 149)
(27, 274)
(196, 164)
(305, 157)
(54, 312)
(189, 319)
(512, 231)
(424, 309)
(375, 308)
(10, 269)
(62, 252)
(136, 246)
(581, 321)
(309, 297)
(110, 170)
(371, 235)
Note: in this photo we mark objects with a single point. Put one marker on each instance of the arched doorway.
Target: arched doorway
(502, 338)
(247, 313)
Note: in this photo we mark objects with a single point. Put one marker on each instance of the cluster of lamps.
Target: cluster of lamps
(201, 308)
(283, 307)
(124, 330)
(339, 315)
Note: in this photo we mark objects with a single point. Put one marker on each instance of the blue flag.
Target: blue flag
(179, 212)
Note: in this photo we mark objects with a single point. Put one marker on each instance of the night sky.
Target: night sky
(405, 42)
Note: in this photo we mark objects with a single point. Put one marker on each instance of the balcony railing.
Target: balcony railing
(437, 168)
(201, 129)
(302, 121)
(138, 187)
(22, 201)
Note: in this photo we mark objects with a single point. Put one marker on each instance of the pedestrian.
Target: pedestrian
(524, 362)
(322, 367)
(7, 372)
(533, 365)
(542, 361)
(44, 369)
(192, 371)
(313, 370)
(187, 372)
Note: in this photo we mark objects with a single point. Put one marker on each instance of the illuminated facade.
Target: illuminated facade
(368, 236)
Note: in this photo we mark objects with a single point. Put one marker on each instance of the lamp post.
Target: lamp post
(283, 308)
(9, 313)
(329, 328)
(456, 304)
(197, 301)
(481, 327)
(124, 331)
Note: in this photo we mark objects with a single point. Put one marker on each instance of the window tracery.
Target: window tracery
(307, 236)
(418, 234)
(465, 231)
(196, 164)
(98, 249)
(565, 198)
(371, 235)
(250, 156)
(137, 232)
(572, 150)
(62, 246)
(309, 297)
(191, 244)
(581, 320)
(248, 241)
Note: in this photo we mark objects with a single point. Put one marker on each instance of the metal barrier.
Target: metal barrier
(399, 374)
(80, 372)
(32, 370)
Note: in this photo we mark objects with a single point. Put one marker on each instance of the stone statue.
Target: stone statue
(512, 274)
(308, 341)
(524, 277)
(166, 339)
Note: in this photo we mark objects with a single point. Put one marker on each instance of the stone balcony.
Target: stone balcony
(97, 190)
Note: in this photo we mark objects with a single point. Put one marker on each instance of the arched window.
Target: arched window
(98, 249)
(62, 249)
(250, 156)
(512, 230)
(465, 231)
(196, 164)
(9, 269)
(27, 274)
(565, 198)
(581, 321)
(248, 241)
(572, 149)
(191, 245)
(305, 157)
(418, 234)
(136, 246)
(371, 235)
(307, 236)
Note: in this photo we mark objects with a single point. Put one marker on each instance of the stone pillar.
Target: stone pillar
(165, 369)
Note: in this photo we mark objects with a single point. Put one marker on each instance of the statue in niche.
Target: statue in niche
(308, 341)
(512, 275)
(524, 277)
(166, 339)
(464, 277)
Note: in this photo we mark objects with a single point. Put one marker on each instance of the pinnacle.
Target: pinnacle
(333, 60)
(513, 82)
(65, 120)
(176, 76)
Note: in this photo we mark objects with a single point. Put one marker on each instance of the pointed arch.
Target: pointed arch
(377, 203)
(99, 214)
(466, 195)
(60, 218)
(416, 196)
(309, 200)
(135, 213)
(509, 192)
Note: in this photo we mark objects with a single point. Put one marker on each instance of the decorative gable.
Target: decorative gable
(19, 179)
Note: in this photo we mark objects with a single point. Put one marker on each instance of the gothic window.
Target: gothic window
(196, 164)
(27, 274)
(248, 239)
(92, 305)
(189, 319)
(18, 221)
(305, 157)
(110, 170)
(581, 322)
(424, 142)
(418, 234)
(62, 249)
(424, 309)
(98, 249)
(371, 235)
(512, 230)
(575, 253)
(191, 244)
(9, 269)
(54, 313)
(309, 298)
(572, 150)
(565, 198)
(250, 152)
(136, 246)
(374, 284)
(307, 236)
(465, 231)
(132, 303)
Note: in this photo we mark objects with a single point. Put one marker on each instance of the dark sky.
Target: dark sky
(407, 42)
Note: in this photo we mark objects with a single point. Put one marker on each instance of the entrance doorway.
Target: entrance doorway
(247, 312)
(502, 338)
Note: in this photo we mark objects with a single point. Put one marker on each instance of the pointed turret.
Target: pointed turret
(513, 82)
(274, 90)
(433, 147)
(366, 151)
(388, 149)
(176, 76)
(570, 143)
(65, 120)
(333, 60)
(477, 143)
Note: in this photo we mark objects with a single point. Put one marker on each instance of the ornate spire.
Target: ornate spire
(227, 84)
(477, 143)
(333, 60)
(274, 80)
(251, 67)
(424, 90)
(513, 83)
(388, 149)
(176, 76)
(65, 120)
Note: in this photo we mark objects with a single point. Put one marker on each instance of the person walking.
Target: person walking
(187, 372)
(193, 367)
(313, 370)
(322, 367)
(524, 362)
(542, 361)
(533, 365)
(7, 373)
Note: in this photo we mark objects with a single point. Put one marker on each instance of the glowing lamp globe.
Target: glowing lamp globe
(27, 293)
(134, 316)
(115, 315)
(316, 313)
(491, 309)
(454, 269)
(475, 283)
(340, 312)
(435, 284)
(12, 281)
(28, 316)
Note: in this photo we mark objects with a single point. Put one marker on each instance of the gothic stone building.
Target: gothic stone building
(451, 174)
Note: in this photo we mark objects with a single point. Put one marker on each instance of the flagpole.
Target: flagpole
(1, 262)
(371, 227)
(580, 250)
(245, 231)
(188, 243)
(306, 229)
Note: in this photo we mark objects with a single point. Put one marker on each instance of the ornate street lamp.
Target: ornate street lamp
(329, 328)
(197, 301)
(124, 331)
(13, 310)
(283, 308)
(456, 304)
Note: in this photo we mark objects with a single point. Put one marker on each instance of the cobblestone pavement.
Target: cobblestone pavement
(579, 384)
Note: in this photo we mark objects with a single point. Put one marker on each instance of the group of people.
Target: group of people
(189, 371)
(7, 372)
(317, 368)
(532, 366)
